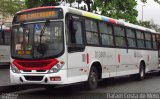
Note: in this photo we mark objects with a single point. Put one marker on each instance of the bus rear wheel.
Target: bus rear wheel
(92, 79)
(141, 74)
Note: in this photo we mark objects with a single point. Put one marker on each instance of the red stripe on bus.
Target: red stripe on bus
(87, 58)
(119, 58)
(112, 21)
(39, 8)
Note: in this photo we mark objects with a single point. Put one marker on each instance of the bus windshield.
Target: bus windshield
(37, 40)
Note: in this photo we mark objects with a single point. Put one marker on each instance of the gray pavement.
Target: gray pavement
(116, 85)
(122, 86)
(6, 86)
(4, 77)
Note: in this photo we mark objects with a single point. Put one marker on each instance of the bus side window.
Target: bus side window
(76, 32)
(120, 36)
(75, 35)
(154, 41)
(140, 39)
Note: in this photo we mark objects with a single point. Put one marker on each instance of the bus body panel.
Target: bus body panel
(125, 65)
(106, 57)
(77, 67)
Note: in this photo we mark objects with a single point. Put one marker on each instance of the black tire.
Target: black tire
(141, 74)
(92, 79)
(49, 87)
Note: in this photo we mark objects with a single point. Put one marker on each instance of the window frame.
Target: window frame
(71, 46)
(124, 37)
(154, 42)
(133, 38)
(138, 39)
(151, 46)
(126, 46)
(98, 32)
(112, 34)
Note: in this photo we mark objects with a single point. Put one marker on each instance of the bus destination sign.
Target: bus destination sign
(38, 15)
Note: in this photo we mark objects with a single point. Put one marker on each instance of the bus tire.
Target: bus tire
(141, 74)
(92, 79)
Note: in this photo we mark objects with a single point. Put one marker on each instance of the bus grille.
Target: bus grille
(33, 78)
(26, 70)
(34, 64)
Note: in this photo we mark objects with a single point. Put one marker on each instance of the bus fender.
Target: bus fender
(98, 66)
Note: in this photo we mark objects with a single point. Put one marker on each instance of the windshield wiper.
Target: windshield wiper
(42, 47)
(43, 30)
(25, 32)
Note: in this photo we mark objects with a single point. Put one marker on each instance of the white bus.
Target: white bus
(62, 45)
(5, 46)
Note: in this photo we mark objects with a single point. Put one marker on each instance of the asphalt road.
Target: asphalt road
(121, 86)
(4, 77)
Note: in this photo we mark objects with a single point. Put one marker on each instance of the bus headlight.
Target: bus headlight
(56, 68)
(14, 68)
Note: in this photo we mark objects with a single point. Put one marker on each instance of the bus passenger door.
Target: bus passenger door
(77, 70)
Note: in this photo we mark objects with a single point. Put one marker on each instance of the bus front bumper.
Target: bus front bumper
(47, 78)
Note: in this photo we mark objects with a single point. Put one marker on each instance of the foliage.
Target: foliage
(145, 1)
(10, 7)
(150, 24)
(89, 2)
(119, 9)
(36, 3)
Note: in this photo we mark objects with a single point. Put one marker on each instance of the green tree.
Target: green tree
(70, 2)
(36, 3)
(88, 2)
(10, 7)
(145, 1)
(150, 24)
(119, 9)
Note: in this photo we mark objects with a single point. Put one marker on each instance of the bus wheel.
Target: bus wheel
(141, 73)
(49, 87)
(92, 79)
